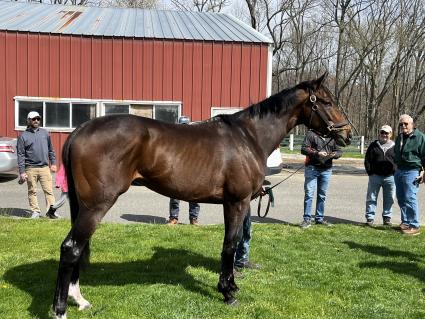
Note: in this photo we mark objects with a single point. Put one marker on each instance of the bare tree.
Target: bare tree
(200, 5)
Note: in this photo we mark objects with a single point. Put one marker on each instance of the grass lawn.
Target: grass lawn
(157, 271)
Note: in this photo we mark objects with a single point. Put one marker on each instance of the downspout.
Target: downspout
(269, 70)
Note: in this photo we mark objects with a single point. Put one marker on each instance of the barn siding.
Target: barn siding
(4, 105)
(199, 74)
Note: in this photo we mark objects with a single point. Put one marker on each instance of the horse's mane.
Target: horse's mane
(271, 105)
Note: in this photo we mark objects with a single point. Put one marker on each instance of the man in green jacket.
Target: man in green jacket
(410, 160)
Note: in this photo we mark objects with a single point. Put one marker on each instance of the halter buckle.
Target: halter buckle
(313, 98)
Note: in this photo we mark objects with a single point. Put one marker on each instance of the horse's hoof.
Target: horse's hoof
(232, 302)
(55, 316)
(85, 305)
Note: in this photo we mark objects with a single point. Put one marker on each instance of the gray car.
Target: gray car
(8, 156)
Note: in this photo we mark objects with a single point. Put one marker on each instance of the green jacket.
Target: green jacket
(413, 154)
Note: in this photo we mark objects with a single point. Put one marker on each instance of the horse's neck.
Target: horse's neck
(270, 128)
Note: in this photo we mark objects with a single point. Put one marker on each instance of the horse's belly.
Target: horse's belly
(186, 190)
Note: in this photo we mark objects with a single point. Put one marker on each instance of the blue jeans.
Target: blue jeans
(388, 194)
(242, 248)
(406, 196)
(315, 178)
(175, 205)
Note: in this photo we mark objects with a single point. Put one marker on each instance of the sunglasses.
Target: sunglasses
(403, 124)
(384, 133)
(36, 119)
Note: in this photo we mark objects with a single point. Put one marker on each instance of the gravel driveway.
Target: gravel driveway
(345, 202)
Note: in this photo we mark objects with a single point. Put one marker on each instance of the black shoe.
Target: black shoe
(322, 222)
(387, 221)
(51, 213)
(305, 224)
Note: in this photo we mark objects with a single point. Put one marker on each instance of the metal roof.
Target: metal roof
(125, 22)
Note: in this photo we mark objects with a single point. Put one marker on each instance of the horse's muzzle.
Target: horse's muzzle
(343, 138)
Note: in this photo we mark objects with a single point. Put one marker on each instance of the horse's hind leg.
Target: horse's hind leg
(74, 292)
(70, 254)
(72, 249)
(234, 213)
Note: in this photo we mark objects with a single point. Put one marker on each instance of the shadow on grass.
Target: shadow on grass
(166, 266)
(330, 219)
(409, 267)
(384, 251)
(148, 219)
(402, 268)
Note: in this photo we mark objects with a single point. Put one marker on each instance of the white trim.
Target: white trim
(227, 110)
(269, 71)
(50, 99)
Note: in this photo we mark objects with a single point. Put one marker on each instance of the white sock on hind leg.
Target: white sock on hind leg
(75, 295)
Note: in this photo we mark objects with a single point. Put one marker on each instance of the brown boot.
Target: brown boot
(412, 231)
(172, 221)
(194, 221)
(404, 227)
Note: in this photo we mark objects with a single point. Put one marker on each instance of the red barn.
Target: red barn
(72, 64)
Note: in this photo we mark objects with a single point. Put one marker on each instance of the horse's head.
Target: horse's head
(322, 114)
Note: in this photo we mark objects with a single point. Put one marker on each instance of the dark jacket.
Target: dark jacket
(378, 162)
(313, 144)
(410, 151)
(34, 149)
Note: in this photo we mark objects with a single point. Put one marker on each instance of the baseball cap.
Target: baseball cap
(386, 128)
(33, 114)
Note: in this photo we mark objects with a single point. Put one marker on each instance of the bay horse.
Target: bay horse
(221, 160)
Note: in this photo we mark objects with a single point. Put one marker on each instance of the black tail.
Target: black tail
(72, 195)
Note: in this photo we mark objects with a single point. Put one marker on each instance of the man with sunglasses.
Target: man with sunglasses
(410, 160)
(380, 165)
(35, 154)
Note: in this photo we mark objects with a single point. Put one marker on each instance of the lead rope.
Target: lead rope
(268, 190)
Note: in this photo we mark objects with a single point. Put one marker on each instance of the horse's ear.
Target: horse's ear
(319, 82)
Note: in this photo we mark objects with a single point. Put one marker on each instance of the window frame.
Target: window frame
(99, 105)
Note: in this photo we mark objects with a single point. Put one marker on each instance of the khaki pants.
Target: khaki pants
(42, 175)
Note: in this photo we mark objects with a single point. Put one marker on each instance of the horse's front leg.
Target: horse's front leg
(234, 213)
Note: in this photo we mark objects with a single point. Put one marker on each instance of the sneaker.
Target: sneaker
(322, 222)
(387, 221)
(172, 221)
(404, 227)
(412, 231)
(305, 224)
(52, 215)
(35, 215)
(194, 221)
(369, 222)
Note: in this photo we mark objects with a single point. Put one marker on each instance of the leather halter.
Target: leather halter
(324, 115)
